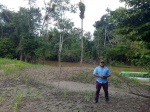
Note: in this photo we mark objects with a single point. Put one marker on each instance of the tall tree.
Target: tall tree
(63, 24)
(102, 35)
(82, 10)
(48, 16)
(138, 29)
(27, 30)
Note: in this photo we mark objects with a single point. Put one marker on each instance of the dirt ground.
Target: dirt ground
(46, 89)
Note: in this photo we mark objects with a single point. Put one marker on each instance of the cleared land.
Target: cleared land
(47, 89)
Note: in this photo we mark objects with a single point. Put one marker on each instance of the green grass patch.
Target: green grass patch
(1, 99)
(115, 81)
(88, 95)
(65, 92)
(17, 100)
(37, 94)
(130, 81)
(12, 68)
(119, 81)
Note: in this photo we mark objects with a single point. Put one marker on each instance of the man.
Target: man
(101, 73)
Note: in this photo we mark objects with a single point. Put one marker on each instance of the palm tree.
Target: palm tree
(82, 10)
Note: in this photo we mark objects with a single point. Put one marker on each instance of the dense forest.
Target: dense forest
(121, 36)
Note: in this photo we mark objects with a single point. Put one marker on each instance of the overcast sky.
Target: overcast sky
(93, 12)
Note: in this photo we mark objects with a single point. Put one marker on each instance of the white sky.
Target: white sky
(93, 12)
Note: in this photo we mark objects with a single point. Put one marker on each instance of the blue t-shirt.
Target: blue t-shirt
(101, 71)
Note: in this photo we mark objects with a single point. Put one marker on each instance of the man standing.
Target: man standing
(101, 73)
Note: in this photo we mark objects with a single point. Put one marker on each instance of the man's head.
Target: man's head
(101, 63)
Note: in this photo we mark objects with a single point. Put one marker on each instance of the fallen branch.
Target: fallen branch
(145, 96)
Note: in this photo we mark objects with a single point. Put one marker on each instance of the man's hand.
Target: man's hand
(107, 76)
(100, 76)
(104, 77)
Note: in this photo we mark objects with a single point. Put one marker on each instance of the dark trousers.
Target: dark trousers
(105, 88)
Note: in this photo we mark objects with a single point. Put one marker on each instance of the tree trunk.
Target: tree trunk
(105, 38)
(59, 61)
(21, 56)
(81, 59)
(98, 47)
(109, 40)
(2, 31)
(59, 56)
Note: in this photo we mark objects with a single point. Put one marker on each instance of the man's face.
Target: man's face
(102, 64)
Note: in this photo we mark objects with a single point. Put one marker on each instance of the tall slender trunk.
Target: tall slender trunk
(59, 56)
(45, 19)
(2, 31)
(59, 61)
(109, 40)
(29, 19)
(105, 38)
(98, 48)
(81, 59)
(21, 56)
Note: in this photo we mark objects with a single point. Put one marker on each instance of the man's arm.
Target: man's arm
(100, 76)
(107, 76)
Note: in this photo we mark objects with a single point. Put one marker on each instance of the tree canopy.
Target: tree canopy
(120, 36)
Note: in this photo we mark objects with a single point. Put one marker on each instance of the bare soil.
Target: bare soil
(48, 89)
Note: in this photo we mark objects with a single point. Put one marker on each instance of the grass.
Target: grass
(135, 81)
(129, 80)
(12, 68)
(88, 95)
(37, 94)
(18, 97)
(117, 70)
(1, 99)
(17, 101)
(115, 81)
(65, 92)
(79, 94)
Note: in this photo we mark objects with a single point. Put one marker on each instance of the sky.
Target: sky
(94, 10)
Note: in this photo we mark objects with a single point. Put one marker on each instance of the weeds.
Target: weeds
(37, 94)
(5, 93)
(65, 92)
(115, 81)
(12, 68)
(88, 95)
(26, 80)
(128, 80)
(1, 99)
(18, 98)
(16, 108)
(79, 93)
(134, 81)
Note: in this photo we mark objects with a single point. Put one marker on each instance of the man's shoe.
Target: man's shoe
(95, 101)
(106, 100)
